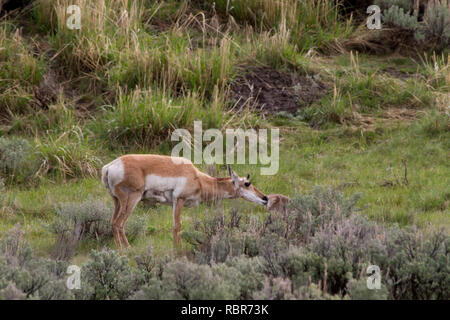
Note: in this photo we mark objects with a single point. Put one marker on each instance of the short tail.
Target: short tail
(105, 179)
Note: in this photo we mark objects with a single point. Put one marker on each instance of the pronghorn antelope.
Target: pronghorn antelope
(169, 180)
(277, 203)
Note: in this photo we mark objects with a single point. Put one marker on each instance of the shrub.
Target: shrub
(434, 29)
(153, 290)
(328, 264)
(186, 280)
(217, 237)
(406, 5)
(313, 292)
(107, 276)
(22, 275)
(302, 266)
(275, 289)
(146, 264)
(15, 158)
(89, 219)
(11, 292)
(320, 242)
(396, 16)
(307, 213)
(436, 25)
(418, 266)
(358, 291)
(347, 245)
(247, 273)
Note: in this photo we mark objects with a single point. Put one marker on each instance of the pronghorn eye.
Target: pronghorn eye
(247, 184)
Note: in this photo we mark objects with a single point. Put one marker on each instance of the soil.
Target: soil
(390, 71)
(269, 91)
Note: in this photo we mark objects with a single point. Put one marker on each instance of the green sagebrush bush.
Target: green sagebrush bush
(282, 289)
(435, 26)
(16, 158)
(24, 276)
(247, 272)
(275, 289)
(165, 278)
(398, 17)
(322, 255)
(108, 275)
(358, 291)
(406, 5)
(320, 241)
(418, 266)
(89, 219)
(218, 236)
(185, 280)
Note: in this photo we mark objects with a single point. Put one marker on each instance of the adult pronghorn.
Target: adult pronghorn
(169, 180)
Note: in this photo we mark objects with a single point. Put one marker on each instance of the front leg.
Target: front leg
(177, 204)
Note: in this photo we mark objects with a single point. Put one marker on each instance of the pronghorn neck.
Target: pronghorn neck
(216, 188)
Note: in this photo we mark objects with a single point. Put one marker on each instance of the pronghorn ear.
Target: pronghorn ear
(233, 176)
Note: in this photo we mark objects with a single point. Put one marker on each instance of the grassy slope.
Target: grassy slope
(347, 155)
(309, 158)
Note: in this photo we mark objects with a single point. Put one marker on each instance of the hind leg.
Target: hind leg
(113, 221)
(122, 196)
(132, 199)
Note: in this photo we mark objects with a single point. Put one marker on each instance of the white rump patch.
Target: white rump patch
(116, 173)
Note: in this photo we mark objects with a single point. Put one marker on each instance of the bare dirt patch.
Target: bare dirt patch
(401, 114)
(269, 91)
(399, 74)
(386, 118)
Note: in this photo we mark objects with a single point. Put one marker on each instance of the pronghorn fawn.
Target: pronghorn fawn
(169, 180)
(277, 203)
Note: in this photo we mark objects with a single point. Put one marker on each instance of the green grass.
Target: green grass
(146, 118)
(20, 70)
(333, 157)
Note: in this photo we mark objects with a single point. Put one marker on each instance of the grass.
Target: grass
(163, 65)
(20, 70)
(333, 157)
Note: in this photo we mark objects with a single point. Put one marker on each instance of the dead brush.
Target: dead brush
(436, 70)
(90, 46)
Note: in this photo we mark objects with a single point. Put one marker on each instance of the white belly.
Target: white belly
(160, 184)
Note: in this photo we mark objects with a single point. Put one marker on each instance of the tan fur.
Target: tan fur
(277, 203)
(199, 187)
